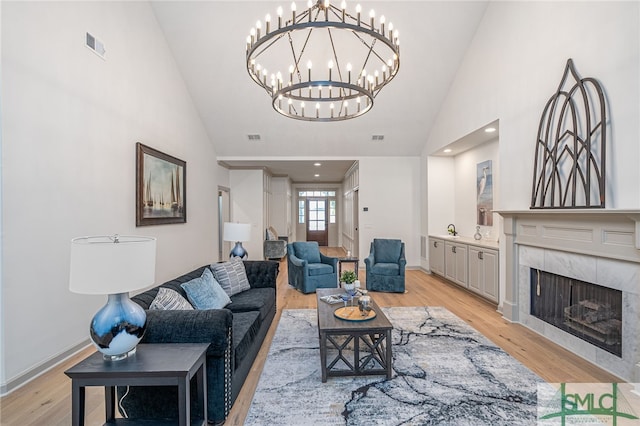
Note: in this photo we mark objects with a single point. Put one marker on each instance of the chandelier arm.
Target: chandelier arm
(335, 57)
(296, 61)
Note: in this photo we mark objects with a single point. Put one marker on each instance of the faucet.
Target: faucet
(451, 229)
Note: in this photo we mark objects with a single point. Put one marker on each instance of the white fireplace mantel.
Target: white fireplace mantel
(594, 239)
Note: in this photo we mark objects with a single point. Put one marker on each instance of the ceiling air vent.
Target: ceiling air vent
(377, 137)
(254, 137)
(95, 45)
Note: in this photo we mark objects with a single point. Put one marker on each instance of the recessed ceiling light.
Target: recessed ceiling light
(317, 164)
(490, 129)
(448, 150)
(316, 175)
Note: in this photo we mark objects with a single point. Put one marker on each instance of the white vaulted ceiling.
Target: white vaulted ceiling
(208, 39)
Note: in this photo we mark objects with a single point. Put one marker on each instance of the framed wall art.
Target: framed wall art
(161, 187)
(484, 182)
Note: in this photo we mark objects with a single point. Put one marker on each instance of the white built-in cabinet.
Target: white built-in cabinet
(471, 265)
(436, 255)
(455, 262)
(483, 272)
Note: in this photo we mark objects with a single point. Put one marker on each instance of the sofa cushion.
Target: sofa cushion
(231, 275)
(387, 251)
(245, 329)
(256, 299)
(320, 269)
(205, 292)
(307, 250)
(388, 269)
(169, 300)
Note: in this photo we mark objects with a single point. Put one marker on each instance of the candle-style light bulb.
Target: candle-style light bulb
(309, 67)
(291, 73)
(279, 12)
(372, 15)
(248, 42)
(391, 31)
(349, 71)
(331, 107)
(318, 110)
(346, 108)
(293, 12)
(302, 107)
(343, 6)
(330, 68)
(267, 21)
(382, 21)
(258, 28)
(358, 10)
(252, 34)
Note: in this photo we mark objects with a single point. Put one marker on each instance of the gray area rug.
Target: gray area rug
(445, 373)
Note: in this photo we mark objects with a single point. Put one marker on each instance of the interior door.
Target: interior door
(317, 221)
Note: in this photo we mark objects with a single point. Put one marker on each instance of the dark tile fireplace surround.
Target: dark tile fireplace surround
(574, 277)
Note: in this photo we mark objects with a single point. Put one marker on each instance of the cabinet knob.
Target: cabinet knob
(435, 244)
(480, 255)
(453, 249)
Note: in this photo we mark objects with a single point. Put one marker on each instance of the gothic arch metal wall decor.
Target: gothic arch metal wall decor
(569, 169)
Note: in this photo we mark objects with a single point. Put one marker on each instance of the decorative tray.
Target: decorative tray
(352, 313)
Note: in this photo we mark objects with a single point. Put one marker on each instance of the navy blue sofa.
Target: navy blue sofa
(235, 334)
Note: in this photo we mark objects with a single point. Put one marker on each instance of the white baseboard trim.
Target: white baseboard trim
(29, 375)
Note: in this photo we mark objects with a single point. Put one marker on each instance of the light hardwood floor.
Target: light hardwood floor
(47, 399)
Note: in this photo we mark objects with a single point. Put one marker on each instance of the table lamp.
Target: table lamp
(114, 265)
(237, 232)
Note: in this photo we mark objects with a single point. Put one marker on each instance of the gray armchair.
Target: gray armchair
(385, 266)
(309, 269)
(274, 247)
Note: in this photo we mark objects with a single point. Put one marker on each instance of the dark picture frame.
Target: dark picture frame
(161, 187)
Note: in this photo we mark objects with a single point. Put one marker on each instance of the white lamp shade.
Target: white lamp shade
(100, 265)
(237, 231)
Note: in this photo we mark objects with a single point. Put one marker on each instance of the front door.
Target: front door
(317, 223)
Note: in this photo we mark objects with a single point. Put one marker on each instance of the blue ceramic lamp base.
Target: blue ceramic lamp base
(239, 251)
(118, 327)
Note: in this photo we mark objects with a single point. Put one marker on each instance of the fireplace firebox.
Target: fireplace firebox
(588, 311)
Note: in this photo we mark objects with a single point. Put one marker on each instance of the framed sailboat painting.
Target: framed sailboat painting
(161, 187)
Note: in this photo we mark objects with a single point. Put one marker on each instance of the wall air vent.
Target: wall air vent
(95, 45)
(255, 137)
(377, 137)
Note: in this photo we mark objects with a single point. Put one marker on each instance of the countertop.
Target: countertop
(491, 244)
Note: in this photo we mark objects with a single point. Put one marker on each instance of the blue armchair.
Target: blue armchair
(385, 266)
(309, 269)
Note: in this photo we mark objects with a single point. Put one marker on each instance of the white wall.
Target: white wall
(515, 64)
(280, 214)
(465, 175)
(247, 206)
(441, 207)
(390, 189)
(70, 124)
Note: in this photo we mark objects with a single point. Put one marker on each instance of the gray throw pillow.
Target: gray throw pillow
(232, 276)
(170, 300)
(205, 292)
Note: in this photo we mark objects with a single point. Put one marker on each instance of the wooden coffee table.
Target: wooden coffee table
(369, 341)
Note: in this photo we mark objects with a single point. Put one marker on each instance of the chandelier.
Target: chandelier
(323, 63)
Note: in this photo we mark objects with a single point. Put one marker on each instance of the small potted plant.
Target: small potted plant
(348, 277)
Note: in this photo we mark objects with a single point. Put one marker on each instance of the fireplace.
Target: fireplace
(591, 312)
(588, 265)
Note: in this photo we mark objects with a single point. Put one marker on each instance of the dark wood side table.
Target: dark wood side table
(153, 364)
(342, 260)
